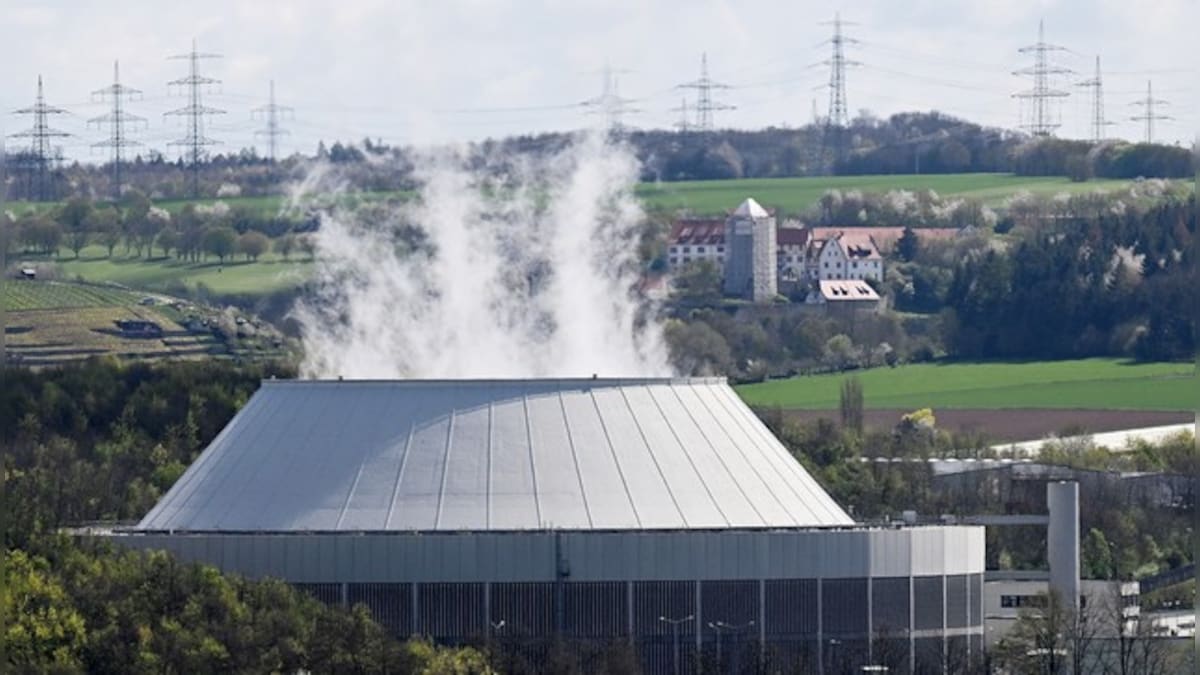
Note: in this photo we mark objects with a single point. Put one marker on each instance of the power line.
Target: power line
(705, 105)
(684, 125)
(194, 111)
(1096, 85)
(609, 103)
(1149, 116)
(272, 112)
(41, 155)
(837, 122)
(116, 120)
(1041, 95)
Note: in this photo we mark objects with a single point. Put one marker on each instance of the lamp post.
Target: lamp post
(833, 643)
(720, 626)
(675, 624)
(496, 627)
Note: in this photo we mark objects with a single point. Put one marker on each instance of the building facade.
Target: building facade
(748, 245)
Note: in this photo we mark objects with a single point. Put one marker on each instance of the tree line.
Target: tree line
(903, 143)
(194, 233)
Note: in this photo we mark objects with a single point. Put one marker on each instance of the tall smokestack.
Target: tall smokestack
(1062, 541)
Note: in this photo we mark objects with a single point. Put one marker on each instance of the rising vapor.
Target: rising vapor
(525, 272)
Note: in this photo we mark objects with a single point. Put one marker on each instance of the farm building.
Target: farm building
(650, 512)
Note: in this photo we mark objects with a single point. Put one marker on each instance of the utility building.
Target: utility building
(644, 511)
(750, 260)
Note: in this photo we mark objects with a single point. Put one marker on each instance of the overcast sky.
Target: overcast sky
(436, 71)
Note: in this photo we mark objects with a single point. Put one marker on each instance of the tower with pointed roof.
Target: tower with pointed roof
(750, 264)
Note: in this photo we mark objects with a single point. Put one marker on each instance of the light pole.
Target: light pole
(833, 642)
(675, 624)
(493, 634)
(719, 626)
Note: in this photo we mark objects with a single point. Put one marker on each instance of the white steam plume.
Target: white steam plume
(527, 272)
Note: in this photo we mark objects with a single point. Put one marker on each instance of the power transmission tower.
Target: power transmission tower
(684, 124)
(1149, 115)
(1096, 84)
(116, 120)
(836, 129)
(609, 103)
(41, 155)
(705, 105)
(1042, 94)
(272, 112)
(195, 111)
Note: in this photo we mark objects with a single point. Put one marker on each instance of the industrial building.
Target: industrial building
(655, 512)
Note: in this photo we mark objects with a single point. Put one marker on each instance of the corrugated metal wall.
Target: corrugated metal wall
(820, 600)
(794, 625)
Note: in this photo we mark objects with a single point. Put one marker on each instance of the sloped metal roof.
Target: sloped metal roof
(459, 455)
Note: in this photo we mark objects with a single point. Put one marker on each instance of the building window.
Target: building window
(674, 261)
(854, 264)
(699, 249)
(687, 249)
(1019, 601)
(827, 264)
(686, 260)
(720, 249)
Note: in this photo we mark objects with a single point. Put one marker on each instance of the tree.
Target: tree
(41, 234)
(1097, 560)
(851, 404)
(840, 352)
(8, 237)
(285, 245)
(167, 240)
(253, 244)
(908, 245)
(42, 631)
(74, 217)
(697, 349)
(145, 230)
(699, 281)
(104, 223)
(220, 241)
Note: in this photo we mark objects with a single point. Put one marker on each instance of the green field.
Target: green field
(240, 277)
(1098, 384)
(16, 296)
(793, 195)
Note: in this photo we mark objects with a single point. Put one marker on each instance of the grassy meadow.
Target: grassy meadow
(237, 276)
(793, 195)
(717, 196)
(1097, 384)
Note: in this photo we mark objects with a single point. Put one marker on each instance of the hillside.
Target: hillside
(52, 322)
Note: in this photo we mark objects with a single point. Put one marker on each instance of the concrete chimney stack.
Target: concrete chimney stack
(1062, 540)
